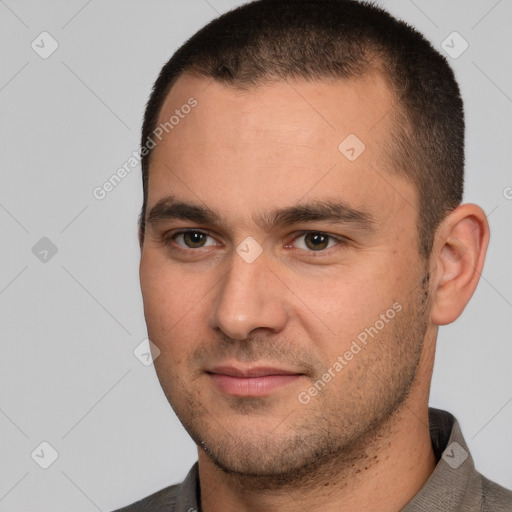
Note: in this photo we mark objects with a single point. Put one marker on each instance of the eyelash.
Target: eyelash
(341, 241)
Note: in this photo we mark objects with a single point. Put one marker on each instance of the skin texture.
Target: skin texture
(362, 441)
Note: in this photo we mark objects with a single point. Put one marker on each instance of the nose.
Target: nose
(249, 297)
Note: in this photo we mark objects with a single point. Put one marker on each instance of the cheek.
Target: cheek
(339, 303)
(166, 289)
(174, 304)
(352, 298)
(162, 293)
(332, 308)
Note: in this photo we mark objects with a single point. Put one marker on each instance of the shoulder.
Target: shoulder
(175, 498)
(495, 498)
(165, 499)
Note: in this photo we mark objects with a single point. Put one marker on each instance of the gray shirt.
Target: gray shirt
(455, 485)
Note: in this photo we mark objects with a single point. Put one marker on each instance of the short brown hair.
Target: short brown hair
(324, 39)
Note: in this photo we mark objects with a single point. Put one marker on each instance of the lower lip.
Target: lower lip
(251, 386)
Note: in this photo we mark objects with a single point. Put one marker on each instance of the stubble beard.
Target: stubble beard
(338, 431)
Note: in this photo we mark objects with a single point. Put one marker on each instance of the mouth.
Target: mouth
(251, 382)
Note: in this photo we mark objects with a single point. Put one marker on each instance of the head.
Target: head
(337, 39)
(318, 171)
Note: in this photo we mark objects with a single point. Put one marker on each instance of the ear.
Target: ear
(457, 261)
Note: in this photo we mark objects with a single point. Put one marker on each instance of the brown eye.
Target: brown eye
(316, 241)
(192, 239)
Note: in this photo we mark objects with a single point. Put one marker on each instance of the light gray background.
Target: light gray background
(70, 325)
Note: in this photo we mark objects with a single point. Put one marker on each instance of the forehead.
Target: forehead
(275, 143)
(304, 111)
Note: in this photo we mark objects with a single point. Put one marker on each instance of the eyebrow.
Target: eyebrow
(335, 212)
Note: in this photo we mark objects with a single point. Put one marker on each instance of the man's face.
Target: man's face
(253, 316)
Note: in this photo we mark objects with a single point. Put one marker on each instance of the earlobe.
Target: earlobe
(459, 254)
